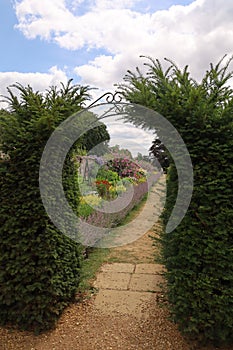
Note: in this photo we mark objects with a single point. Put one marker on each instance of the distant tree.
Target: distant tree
(158, 150)
(95, 140)
(120, 152)
(139, 156)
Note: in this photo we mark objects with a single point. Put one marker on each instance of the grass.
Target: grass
(90, 267)
(134, 212)
(124, 256)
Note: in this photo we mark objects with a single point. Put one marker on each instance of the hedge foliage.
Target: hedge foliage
(40, 267)
(198, 254)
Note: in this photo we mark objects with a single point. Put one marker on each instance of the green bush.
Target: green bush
(88, 204)
(105, 174)
(40, 267)
(198, 254)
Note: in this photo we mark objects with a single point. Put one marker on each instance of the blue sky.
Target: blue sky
(36, 55)
(96, 41)
(30, 55)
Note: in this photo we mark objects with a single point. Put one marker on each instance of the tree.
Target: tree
(120, 152)
(198, 254)
(95, 140)
(139, 156)
(160, 153)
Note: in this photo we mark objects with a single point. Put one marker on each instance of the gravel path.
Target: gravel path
(84, 326)
(125, 313)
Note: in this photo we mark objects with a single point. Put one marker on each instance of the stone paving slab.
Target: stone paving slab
(125, 288)
(149, 268)
(118, 267)
(123, 302)
(145, 283)
(112, 280)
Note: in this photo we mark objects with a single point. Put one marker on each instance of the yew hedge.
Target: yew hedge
(198, 254)
(40, 267)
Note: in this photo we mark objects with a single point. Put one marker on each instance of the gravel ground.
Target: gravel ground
(83, 327)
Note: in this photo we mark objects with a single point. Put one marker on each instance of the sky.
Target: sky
(95, 42)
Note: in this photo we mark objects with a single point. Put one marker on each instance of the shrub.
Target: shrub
(40, 267)
(124, 167)
(85, 209)
(198, 254)
(92, 200)
(119, 188)
(103, 187)
(105, 174)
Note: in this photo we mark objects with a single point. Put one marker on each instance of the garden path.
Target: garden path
(124, 314)
(125, 288)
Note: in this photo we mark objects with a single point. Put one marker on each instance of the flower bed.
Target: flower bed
(114, 190)
(101, 218)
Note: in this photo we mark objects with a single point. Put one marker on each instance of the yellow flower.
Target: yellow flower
(91, 199)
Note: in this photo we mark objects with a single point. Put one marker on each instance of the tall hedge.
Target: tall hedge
(198, 254)
(39, 266)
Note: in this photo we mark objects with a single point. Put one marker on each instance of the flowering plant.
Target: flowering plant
(103, 187)
(126, 168)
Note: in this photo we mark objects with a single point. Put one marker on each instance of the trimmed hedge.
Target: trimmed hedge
(40, 267)
(198, 254)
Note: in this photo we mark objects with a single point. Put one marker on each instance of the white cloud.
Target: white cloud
(119, 4)
(38, 81)
(105, 70)
(43, 18)
(126, 135)
(195, 34)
